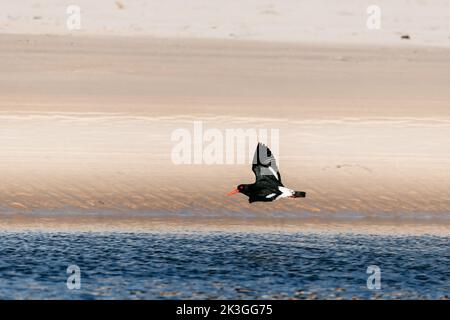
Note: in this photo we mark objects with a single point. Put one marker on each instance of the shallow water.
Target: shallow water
(222, 265)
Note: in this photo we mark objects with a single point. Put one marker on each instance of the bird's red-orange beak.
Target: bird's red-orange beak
(232, 192)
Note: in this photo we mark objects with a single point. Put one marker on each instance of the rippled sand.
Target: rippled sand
(350, 168)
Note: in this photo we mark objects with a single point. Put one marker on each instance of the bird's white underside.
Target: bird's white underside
(285, 192)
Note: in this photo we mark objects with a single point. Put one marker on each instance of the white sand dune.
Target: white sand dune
(317, 21)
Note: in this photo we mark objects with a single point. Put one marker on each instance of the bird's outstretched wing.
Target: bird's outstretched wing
(264, 165)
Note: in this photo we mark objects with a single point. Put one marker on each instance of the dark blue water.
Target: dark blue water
(222, 265)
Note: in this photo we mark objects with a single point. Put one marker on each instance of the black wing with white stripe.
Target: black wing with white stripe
(264, 165)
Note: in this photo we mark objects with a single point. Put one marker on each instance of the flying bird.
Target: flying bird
(268, 185)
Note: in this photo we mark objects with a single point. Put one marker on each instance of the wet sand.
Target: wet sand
(205, 225)
(71, 164)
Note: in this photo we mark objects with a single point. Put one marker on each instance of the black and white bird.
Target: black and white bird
(268, 185)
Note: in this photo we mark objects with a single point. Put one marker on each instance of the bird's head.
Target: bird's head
(242, 188)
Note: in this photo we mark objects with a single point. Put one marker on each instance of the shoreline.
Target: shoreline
(140, 224)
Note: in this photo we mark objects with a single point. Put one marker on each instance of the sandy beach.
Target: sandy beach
(84, 133)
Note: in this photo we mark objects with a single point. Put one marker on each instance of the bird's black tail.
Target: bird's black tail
(299, 194)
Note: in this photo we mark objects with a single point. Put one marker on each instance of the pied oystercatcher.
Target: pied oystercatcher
(268, 185)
